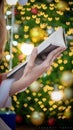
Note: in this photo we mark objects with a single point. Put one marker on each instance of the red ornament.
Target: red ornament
(19, 119)
(21, 57)
(51, 121)
(34, 10)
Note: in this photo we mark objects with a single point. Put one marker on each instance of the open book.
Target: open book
(55, 40)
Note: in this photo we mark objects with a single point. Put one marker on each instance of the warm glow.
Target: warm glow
(57, 95)
(15, 43)
(11, 2)
(8, 57)
(27, 48)
(8, 12)
(8, 27)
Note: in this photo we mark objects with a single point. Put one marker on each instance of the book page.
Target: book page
(52, 42)
(42, 56)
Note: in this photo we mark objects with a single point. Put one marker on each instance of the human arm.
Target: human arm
(33, 71)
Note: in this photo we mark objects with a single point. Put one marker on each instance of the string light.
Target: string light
(8, 12)
(11, 2)
(15, 43)
(57, 95)
(8, 57)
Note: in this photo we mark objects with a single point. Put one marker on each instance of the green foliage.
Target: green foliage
(55, 20)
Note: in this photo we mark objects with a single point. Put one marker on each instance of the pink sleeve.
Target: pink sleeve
(5, 99)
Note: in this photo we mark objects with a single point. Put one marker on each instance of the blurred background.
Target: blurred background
(47, 102)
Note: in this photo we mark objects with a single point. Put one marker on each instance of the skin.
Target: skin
(32, 71)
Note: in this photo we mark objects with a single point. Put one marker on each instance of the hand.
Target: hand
(33, 71)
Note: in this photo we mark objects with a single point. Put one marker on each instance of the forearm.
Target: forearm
(17, 86)
(25, 81)
(32, 71)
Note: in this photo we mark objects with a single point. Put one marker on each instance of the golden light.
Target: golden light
(56, 95)
(26, 48)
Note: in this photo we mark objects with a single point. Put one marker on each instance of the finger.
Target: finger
(55, 54)
(40, 69)
(33, 56)
(55, 57)
(30, 63)
(51, 57)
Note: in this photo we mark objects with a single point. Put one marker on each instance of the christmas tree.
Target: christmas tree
(50, 97)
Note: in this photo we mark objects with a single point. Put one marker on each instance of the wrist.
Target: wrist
(17, 86)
